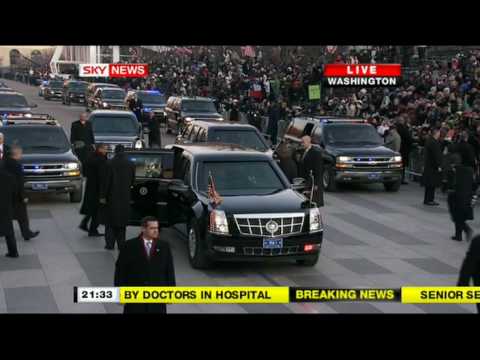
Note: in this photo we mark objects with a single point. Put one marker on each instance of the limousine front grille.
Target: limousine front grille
(270, 225)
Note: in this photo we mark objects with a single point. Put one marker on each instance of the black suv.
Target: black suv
(261, 216)
(224, 132)
(48, 161)
(114, 127)
(74, 91)
(92, 89)
(182, 110)
(12, 102)
(352, 149)
(109, 98)
(53, 90)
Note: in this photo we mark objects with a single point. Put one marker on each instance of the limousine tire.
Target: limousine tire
(392, 186)
(329, 183)
(196, 248)
(310, 261)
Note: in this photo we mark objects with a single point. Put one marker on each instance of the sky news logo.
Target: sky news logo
(113, 70)
(362, 74)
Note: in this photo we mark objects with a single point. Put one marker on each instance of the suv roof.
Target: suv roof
(221, 124)
(31, 119)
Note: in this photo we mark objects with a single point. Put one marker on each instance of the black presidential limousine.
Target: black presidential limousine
(262, 216)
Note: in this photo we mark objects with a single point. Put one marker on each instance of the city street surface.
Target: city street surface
(372, 239)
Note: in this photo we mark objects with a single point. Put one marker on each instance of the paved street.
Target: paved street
(372, 239)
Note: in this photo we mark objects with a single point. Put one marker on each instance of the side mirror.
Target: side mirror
(178, 186)
(299, 184)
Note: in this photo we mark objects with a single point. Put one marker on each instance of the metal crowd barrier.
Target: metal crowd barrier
(415, 165)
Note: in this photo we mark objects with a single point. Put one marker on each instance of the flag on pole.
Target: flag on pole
(213, 196)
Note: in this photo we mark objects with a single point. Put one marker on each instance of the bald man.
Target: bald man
(82, 139)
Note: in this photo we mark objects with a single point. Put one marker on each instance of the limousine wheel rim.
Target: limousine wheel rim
(192, 243)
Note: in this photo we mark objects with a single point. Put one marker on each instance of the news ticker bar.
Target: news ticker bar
(274, 295)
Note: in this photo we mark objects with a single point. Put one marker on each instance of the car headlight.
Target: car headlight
(344, 159)
(218, 223)
(138, 144)
(72, 166)
(104, 104)
(316, 223)
(396, 159)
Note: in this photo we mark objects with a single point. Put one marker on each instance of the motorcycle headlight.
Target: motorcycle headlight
(72, 166)
(218, 223)
(104, 104)
(188, 119)
(344, 159)
(316, 223)
(138, 144)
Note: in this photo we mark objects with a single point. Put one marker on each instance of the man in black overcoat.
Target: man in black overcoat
(115, 195)
(460, 201)
(312, 164)
(145, 261)
(8, 196)
(15, 168)
(82, 138)
(96, 174)
(432, 167)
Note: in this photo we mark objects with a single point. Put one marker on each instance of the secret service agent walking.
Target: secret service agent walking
(115, 196)
(470, 269)
(312, 164)
(13, 166)
(82, 138)
(96, 173)
(8, 196)
(432, 167)
(145, 261)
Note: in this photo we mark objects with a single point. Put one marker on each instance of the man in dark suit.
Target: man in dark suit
(432, 167)
(145, 261)
(460, 201)
(13, 166)
(82, 138)
(154, 138)
(96, 173)
(312, 164)
(115, 195)
(405, 145)
(8, 196)
(471, 266)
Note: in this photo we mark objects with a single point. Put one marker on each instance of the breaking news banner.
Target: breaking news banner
(362, 74)
(113, 70)
(274, 295)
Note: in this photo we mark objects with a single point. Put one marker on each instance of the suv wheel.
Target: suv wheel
(196, 248)
(392, 186)
(310, 261)
(329, 183)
